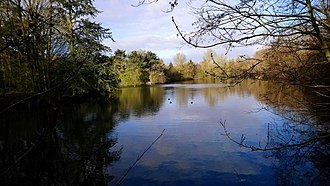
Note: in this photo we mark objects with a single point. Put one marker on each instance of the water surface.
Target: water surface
(97, 141)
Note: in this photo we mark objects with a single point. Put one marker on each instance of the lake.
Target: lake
(281, 139)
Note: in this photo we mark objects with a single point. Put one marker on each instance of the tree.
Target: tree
(213, 65)
(140, 59)
(206, 65)
(244, 23)
(46, 43)
(297, 25)
(139, 67)
(25, 45)
(179, 60)
(128, 71)
(191, 71)
(287, 65)
(83, 41)
(157, 73)
(180, 63)
(172, 73)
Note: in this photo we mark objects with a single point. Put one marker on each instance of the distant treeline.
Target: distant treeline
(274, 63)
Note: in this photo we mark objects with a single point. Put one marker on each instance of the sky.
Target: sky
(149, 28)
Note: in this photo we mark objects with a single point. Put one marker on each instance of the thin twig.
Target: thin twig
(139, 157)
(219, 66)
(287, 144)
(147, 2)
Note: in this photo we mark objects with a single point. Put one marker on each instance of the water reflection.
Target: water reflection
(302, 123)
(139, 101)
(192, 152)
(69, 146)
(95, 142)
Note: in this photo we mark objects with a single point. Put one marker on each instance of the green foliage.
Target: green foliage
(130, 77)
(107, 80)
(157, 73)
(45, 43)
(172, 74)
(138, 68)
(209, 67)
(157, 77)
(182, 68)
(94, 77)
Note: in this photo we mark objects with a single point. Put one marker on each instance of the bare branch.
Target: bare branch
(285, 144)
(172, 4)
(139, 157)
(143, 2)
(219, 66)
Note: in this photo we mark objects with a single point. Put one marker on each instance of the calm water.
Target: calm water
(97, 141)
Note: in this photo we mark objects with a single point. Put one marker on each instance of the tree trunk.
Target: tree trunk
(323, 42)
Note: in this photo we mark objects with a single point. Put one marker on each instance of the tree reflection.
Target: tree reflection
(140, 101)
(70, 146)
(308, 161)
(213, 95)
(301, 165)
(181, 96)
(299, 139)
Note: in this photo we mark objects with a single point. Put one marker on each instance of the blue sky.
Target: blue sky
(149, 28)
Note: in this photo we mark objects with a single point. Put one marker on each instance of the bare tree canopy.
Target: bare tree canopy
(304, 24)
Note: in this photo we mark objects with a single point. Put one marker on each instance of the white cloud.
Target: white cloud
(148, 28)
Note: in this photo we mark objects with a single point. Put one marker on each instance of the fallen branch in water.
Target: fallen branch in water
(139, 157)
